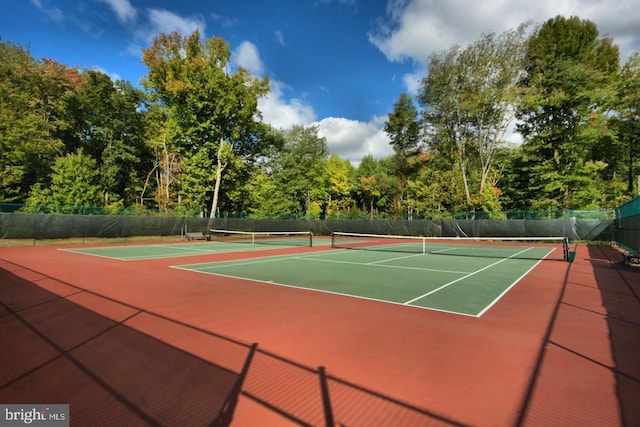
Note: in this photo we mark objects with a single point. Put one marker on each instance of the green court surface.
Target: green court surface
(467, 285)
(170, 250)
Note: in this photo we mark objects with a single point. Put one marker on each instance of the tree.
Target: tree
(31, 117)
(339, 182)
(106, 123)
(74, 182)
(213, 109)
(292, 181)
(166, 163)
(403, 128)
(371, 184)
(468, 99)
(628, 121)
(266, 198)
(299, 170)
(567, 93)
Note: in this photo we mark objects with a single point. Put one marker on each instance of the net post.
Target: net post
(311, 239)
(333, 239)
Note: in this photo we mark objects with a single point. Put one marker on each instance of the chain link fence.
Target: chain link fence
(27, 222)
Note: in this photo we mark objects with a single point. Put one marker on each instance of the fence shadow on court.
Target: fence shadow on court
(311, 397)
(112, 374)
(56, 351)
(619, 287)
(597, 314)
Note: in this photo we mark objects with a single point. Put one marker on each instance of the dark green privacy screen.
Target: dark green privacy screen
(21, 225)
(628, 224)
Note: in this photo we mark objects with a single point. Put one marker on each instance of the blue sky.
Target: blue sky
(336, 64)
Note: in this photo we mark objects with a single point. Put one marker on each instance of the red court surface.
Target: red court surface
(140, 343)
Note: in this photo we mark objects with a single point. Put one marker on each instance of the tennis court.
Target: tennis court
(218, 243)
(400, 270)
(327, 349)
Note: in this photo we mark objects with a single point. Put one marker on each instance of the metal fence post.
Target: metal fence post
(326, 400)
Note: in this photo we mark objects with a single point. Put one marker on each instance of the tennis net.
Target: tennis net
(285, 238)
(487, 247)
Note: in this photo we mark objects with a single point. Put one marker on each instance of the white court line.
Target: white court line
(373, 264)
(207, 266)
(271, 282)
(85, 251)
(446, 285)
(274, 258)
(268, 258)
(185, 252)
(222, 264)
(215, 248)
(443, 250)
(507, 290)
(393, 259)
(90, 254)
(189, 249)
(176, 251)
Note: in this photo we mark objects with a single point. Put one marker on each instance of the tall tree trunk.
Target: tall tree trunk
(216, 190)
(463, 170)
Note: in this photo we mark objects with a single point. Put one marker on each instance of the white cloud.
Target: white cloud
(113, 76)
(52, 13)
(353, 140)
(223, 21)
(123, 10)
(247, 56)
(414, 29)
(349, 139)
(56, 15)
(275, 108)
(164, 21)
(280, 38)
(413, 81)
(283, 114)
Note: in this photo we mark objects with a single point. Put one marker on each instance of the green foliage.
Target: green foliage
(196, 180)
(403, 127)
(564, 108)
(30, 111)
(262, 192)
(48, 109)
(468, 98)
(195, 139)
(38, 196)
(627, 123)
(339, 178)
(211, 110)
(293, 178)
(74, 182)
(373, 184)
